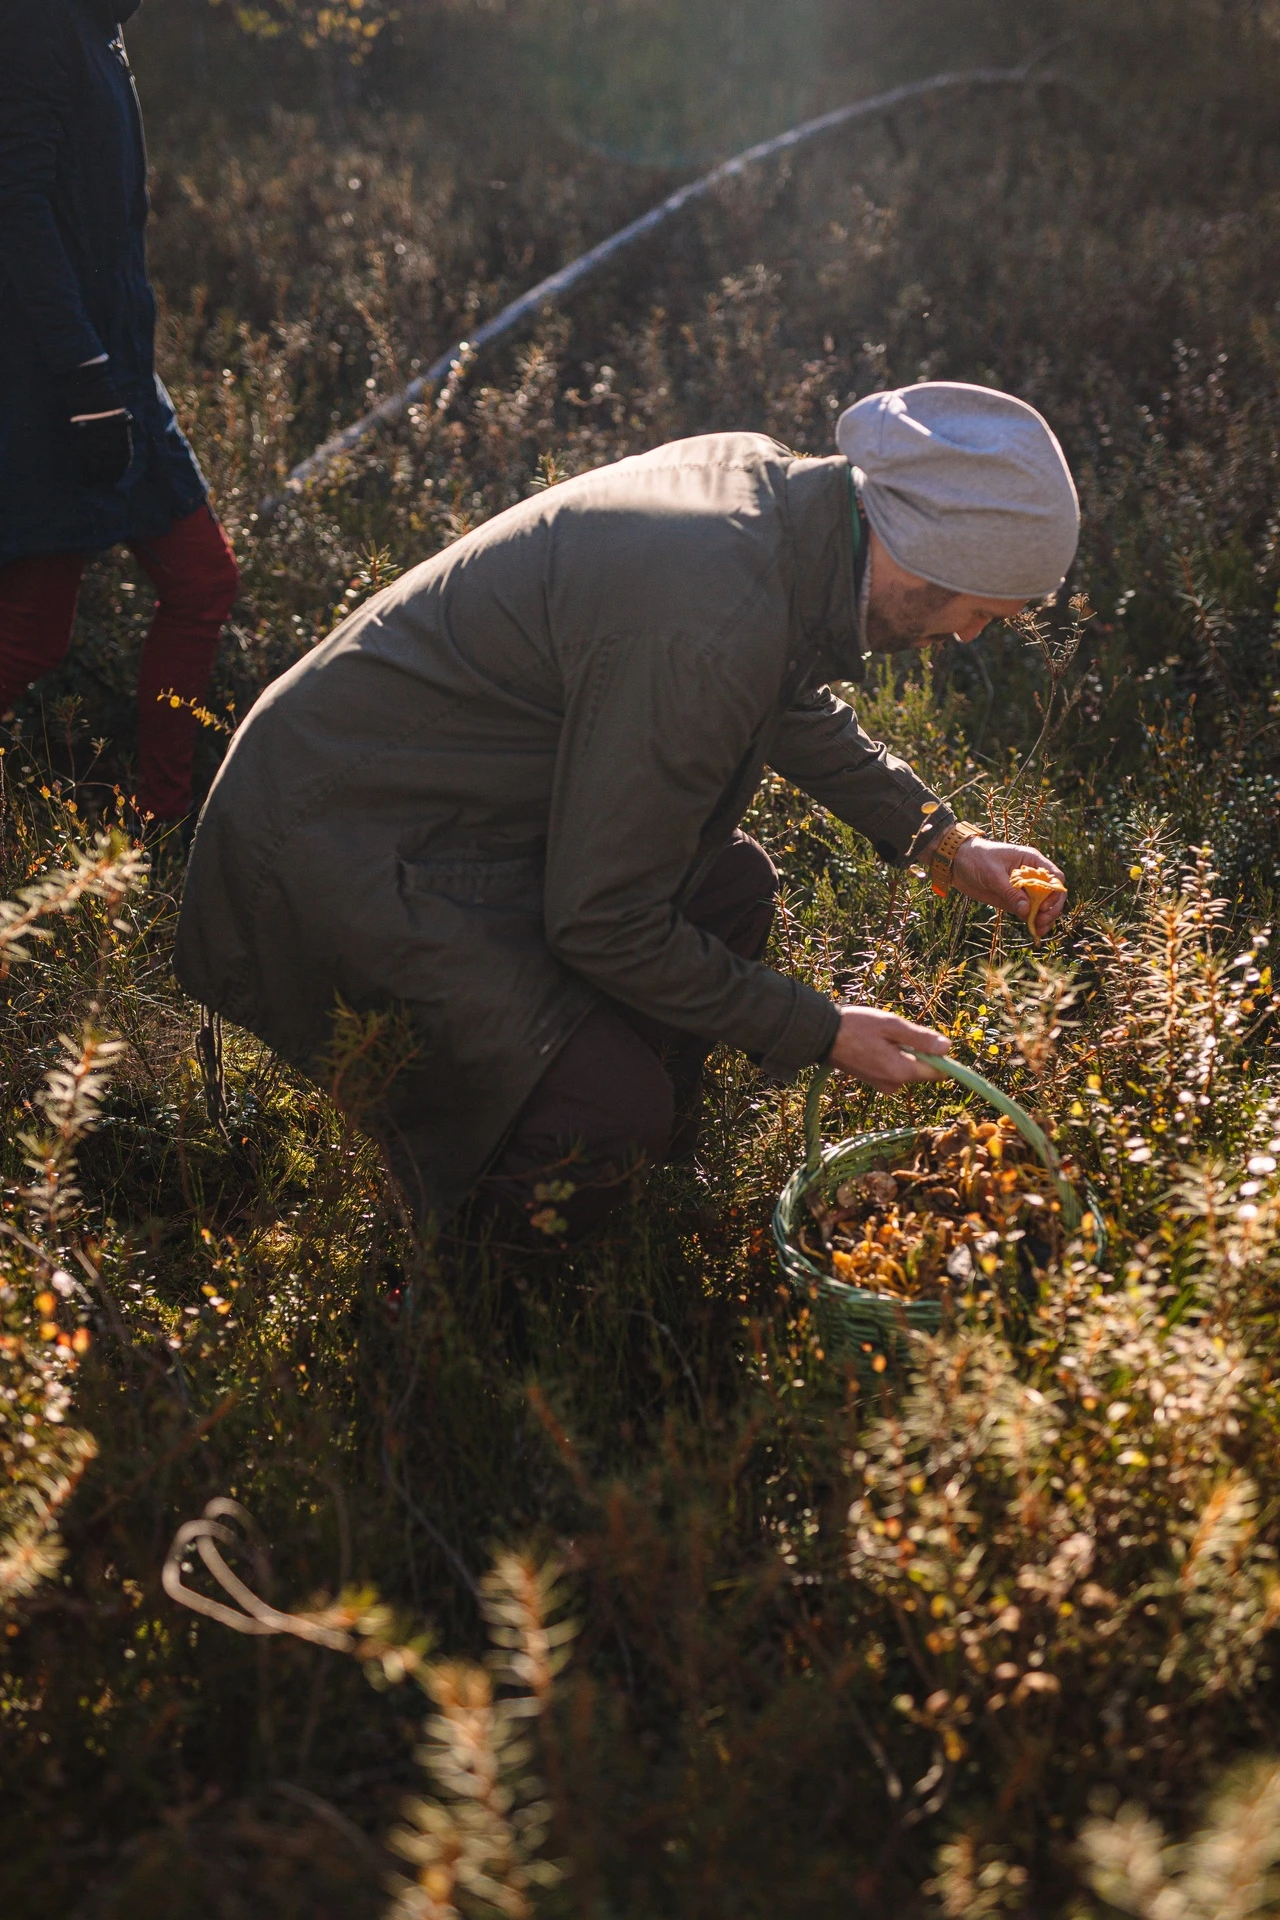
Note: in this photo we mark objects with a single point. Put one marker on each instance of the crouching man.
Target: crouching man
(503, 797)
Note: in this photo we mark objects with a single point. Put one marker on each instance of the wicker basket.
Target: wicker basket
(854, 1323)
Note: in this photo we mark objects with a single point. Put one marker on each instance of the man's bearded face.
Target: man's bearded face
(908, 616)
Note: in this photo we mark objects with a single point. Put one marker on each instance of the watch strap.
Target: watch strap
(943, 855)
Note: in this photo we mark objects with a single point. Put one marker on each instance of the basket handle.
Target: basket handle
(1034, 1136)
(813, 1119)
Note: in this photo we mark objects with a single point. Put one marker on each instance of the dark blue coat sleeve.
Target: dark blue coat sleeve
(35, 108)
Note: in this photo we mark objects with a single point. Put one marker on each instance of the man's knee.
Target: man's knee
(736, 898)
(754, 876)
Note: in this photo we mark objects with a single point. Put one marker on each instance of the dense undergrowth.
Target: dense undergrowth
(833, 1645)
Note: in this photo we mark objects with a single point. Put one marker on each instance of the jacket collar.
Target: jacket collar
(826, 591)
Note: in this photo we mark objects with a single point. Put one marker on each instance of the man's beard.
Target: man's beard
(908, 617)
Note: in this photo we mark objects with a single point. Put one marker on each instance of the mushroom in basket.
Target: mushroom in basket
(941, 1219)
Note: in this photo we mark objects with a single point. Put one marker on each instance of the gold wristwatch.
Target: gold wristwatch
(940, 860)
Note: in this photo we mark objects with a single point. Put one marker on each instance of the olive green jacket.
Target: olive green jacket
(487, 793)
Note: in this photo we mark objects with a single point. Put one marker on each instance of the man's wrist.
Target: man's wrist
(929, 838)
(941, 860)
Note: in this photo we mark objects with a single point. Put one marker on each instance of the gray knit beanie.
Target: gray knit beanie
(966, 487)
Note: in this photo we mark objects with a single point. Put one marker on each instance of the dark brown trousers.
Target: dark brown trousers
(625, 1092)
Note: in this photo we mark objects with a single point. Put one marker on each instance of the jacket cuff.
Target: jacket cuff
(905, 839)
(807, 1038)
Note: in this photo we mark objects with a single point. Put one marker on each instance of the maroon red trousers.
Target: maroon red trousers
(625, 1092)
(196, 579)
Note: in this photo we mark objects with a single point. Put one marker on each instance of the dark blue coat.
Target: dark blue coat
(73, 282)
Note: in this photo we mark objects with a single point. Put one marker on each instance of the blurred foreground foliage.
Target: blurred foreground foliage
(981, 1645)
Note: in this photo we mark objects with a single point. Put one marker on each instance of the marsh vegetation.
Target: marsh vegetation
(889, 1646)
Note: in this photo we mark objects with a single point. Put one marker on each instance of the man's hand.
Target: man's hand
(981, 869)
(869, 1046)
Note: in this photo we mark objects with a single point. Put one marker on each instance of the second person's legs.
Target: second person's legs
(196, 580)
(38, 597)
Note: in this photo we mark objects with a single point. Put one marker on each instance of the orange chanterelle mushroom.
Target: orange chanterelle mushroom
(1037, 883)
